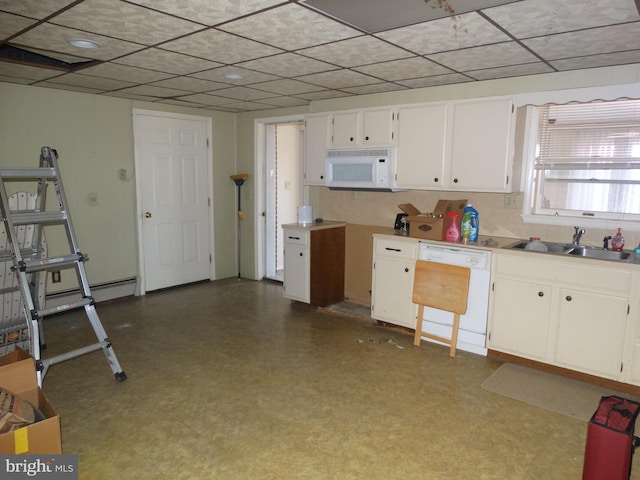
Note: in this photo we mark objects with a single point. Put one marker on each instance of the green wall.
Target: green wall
(94, 138)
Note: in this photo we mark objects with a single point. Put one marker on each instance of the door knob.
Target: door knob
(147, 214)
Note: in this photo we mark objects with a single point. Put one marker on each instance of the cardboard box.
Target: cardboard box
(18, 375)
(432, 226)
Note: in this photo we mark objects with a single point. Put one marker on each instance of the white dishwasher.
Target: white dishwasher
(472, 332)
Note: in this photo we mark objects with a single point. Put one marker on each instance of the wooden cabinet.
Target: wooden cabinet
(316, 142)
(481, 152)
(314, 263)
(394, 260)
(363, 128)
(421, 146)
(573, 314)
(463, 146)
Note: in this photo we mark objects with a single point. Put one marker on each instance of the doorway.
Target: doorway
(280, 146)
(174, 192)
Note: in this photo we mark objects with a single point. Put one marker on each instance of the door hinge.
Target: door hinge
(207, 143)
(208, 202)
(628, 309)
(621, 366)
(210, 259)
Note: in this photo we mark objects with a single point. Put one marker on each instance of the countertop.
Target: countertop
(315, 225)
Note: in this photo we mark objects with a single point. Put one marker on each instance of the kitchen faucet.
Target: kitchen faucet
(577, 235)
(606, 242)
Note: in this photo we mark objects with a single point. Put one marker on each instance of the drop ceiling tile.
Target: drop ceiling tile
(34, 8)
(63, 57)
(206, 11)
(436, 80)
(487, 56)
(461, 31)
(12, 24)
(26, 71)
(190, 84)
(287, 87)
(71, 88)
(248, 106)
(123, 20)
(165, 61)
(248, 76)
(325, 94)
(153, 91)
(339, 79)
(401, 69)
(545, 17)
(594, 61)
(294, 65)
(130, 96)
(124, 72)
(220, 46)
(274, 27)
(587, 42)
(21, 81)
(510, 71)
(86, 81)
(356, 51)
(205, 99)
(243, 93)
(285, 101)
(53, 38)
(375, 88)
(181, 103)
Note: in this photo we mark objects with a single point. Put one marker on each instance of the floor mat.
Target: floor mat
(560, 394)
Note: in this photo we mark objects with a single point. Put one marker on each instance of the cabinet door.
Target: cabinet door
(519, 321)
(392, 292)
(421, 146)
(346, 129)
(591, 332)
(377, 128)
(481, 146)
(316, 142)
(297, 273)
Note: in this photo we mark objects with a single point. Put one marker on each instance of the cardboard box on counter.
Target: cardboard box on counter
(18, 376)
(431, 226)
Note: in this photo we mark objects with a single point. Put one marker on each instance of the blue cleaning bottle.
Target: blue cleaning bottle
(470, 224)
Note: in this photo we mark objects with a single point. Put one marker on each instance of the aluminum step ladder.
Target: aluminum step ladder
(27, 262)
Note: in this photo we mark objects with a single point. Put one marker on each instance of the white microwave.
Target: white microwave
(361, 169)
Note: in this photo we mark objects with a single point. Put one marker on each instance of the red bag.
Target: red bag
(610, 440)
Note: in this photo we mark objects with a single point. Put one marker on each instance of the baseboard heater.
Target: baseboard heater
(101, 292)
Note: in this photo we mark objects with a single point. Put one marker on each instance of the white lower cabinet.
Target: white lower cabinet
(572, 314)
(394, 260)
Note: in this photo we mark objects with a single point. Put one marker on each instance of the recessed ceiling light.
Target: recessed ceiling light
(233, 76)
(83, 43)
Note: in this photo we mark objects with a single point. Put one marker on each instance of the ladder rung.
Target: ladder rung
(35, 264)
(27, 173)
(63, 308)
(30, 218)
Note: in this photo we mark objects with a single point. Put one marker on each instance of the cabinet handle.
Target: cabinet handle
(393, 249)
(351, 139)
(321, 177)
(541, 294)
(366, 138)
(406, 269)
(300, 253)
(436, 179)
(568, 298)
(294, 238)
(455, 180)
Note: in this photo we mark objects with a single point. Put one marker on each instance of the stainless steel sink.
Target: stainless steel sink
(576, 250)
(552, 247)
(592, 252)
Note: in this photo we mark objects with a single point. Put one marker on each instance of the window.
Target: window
(587, 161)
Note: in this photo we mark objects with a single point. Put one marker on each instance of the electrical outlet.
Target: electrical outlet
(512, 200)
(56, 276)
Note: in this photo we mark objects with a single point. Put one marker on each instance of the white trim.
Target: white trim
(259, 145)
(136, 114)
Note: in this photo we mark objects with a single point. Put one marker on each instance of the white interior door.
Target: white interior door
(173, 181)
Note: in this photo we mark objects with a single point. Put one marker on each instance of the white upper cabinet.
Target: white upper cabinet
(316, 142)
(421, 146)
(363, 128)
(481, 152)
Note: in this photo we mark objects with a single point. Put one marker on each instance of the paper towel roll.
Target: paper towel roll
(305, 215)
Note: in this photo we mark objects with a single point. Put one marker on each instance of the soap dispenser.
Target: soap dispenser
(617, 242)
